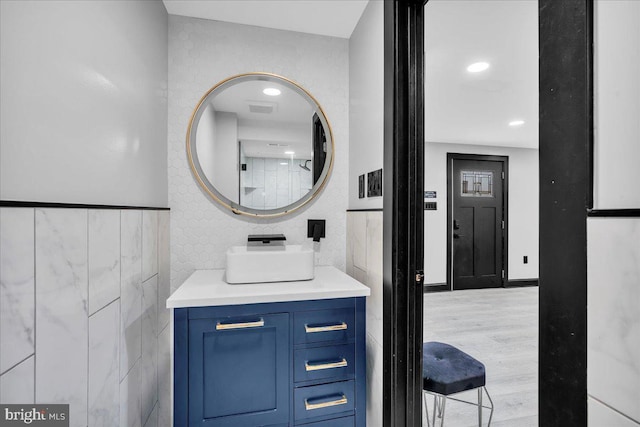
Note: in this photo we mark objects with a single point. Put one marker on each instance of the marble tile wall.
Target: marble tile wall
(17, 290)
(130, 290)
(364, 263)
(104, 258)
(164, 266)
(17, 384)
(603, 415)
(104, 382)
(149, 357)
(164, 377)
(613, 320)
(62, 318)
(82, 295)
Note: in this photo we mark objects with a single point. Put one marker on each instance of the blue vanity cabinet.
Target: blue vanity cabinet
(239, 370)
(272, 364)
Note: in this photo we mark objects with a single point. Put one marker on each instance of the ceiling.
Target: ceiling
(285, 125)
(336, 18)
(287, 108)
(460, 107)
(476, 108)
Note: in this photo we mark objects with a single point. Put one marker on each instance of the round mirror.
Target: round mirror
(260, 144)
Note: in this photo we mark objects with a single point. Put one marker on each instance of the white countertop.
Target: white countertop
(208, 288)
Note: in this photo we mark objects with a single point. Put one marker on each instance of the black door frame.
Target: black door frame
(505, 211)
(566, 146)
(403, 236)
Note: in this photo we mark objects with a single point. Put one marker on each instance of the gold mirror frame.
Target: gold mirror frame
(210, 189)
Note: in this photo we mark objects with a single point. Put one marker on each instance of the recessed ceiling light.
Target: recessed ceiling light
(290, 152)
(516, 123)
(284, 163)
(271, 91)
(477, 67)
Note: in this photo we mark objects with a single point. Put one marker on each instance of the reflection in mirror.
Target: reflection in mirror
(482, 176)
(260, 144)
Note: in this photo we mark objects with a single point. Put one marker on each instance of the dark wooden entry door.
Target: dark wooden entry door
(476, 221)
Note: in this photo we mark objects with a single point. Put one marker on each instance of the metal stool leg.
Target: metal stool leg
(444, 401)
(480, 407)
(439, 405)
(426, 409)
(438, 409)
(491, 402)
(435, 401)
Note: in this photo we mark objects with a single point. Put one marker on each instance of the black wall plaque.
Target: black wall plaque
(374, 181)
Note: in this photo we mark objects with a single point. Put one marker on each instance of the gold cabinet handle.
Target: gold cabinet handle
(223, 326)
(318, 367)
(313, 329)
(311, 406)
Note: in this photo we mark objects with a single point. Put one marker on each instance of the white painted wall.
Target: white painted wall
(202, 53)
(366, 102)
(613, 315)
(616, 103)
(366, 149)
(84, 102)
(265, 131)
(523, 209)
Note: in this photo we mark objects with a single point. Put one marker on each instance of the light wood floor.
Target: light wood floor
(499, 327)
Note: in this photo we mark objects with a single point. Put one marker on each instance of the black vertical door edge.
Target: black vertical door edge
(403, 237)
(565, 155)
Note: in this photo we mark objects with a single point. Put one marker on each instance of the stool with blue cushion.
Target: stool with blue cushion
(447, 370)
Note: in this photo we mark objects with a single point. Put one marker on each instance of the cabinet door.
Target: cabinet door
(239, 371)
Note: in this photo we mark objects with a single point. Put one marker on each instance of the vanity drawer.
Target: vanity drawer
(324, 399)
(337, 422)
(335, 362)
(336, 324)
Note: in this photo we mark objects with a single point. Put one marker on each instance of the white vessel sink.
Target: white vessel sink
(251, 264)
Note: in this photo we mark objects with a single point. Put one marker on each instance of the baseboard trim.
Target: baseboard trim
(436, 287)
(613, 213)
(518, 283)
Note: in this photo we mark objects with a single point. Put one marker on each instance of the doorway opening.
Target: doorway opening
(477, 210)
(481, 118)
(565, 100)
